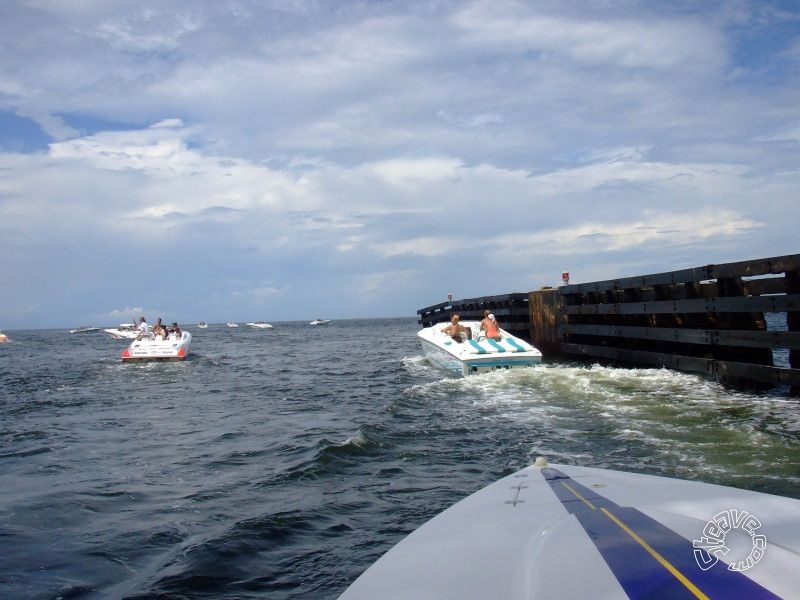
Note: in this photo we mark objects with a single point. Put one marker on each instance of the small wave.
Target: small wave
(418, 365)
(28, 452)
(355, 445)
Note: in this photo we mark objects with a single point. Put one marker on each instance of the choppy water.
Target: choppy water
(282, 463)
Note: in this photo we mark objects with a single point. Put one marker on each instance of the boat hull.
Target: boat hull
(154, 349)
(123, 332)
(475, 356)
(563, 531)
(84, 329)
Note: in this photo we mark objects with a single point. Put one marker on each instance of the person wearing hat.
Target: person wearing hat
(485, 322)
(489, 327)
(455, 329)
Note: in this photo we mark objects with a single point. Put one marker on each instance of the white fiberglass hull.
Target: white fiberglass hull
(563, 531)
(155, 349)
(84, 329)
(123, 333)
(476, 355)
(260, 325)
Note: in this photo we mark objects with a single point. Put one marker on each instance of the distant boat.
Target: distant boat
(3, 337)
(126, 331)
(202, 325)
(260, 325)
(233, 324)
(320, 322)
(84, 329)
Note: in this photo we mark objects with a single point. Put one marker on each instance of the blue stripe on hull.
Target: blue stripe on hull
(480, 349)
(515, 344)
(659, 564)
(496, 346)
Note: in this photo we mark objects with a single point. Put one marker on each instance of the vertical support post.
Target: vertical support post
(793, 317)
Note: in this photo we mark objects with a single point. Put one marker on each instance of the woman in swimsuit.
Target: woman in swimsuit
(489, 325)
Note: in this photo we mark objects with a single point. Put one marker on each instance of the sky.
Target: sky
(291, 159)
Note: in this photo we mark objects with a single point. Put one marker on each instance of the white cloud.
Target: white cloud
(655, 229)
(423, 246)
(294, 147)
(411, 173)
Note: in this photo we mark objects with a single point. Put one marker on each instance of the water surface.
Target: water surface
(281, 463)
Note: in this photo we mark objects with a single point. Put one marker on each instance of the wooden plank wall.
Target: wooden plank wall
(709, 319)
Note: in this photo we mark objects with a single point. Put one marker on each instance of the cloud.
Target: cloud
(271, 154)
(424, 246)
(658, 229)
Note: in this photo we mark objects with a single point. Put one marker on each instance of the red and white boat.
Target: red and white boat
(155, 348)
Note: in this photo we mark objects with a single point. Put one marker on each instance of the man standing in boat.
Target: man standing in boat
(144, 330)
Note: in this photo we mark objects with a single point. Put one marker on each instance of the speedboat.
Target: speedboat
(476, 354)
(320, 322)
(156, 348)
(3, 337)
(562, 531)
(260, 325)
(126, 331)
(233, 324)
(202, 325)
(84, 329)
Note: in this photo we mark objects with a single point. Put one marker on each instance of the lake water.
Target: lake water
(281, 463)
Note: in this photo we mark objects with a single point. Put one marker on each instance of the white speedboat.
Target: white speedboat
(320, 322)
(126, 331)
(202, 325)
(233, 324)
(84, 329)
(476, 354)
(155, 348)
(260, 325)
(575, 532)
(3, 337)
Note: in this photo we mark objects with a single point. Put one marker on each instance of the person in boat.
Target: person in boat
(456, 330)
(144, 330)
(491, 328)
(159, 329)
(176, 330)
(484, 323)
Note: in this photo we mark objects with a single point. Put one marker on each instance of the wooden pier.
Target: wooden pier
(738, 323)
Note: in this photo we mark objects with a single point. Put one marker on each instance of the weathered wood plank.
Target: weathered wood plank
(546, 310)
(744, 304)
(750, 339)
(749, 268)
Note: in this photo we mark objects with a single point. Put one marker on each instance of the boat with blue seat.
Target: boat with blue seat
(475, 353)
